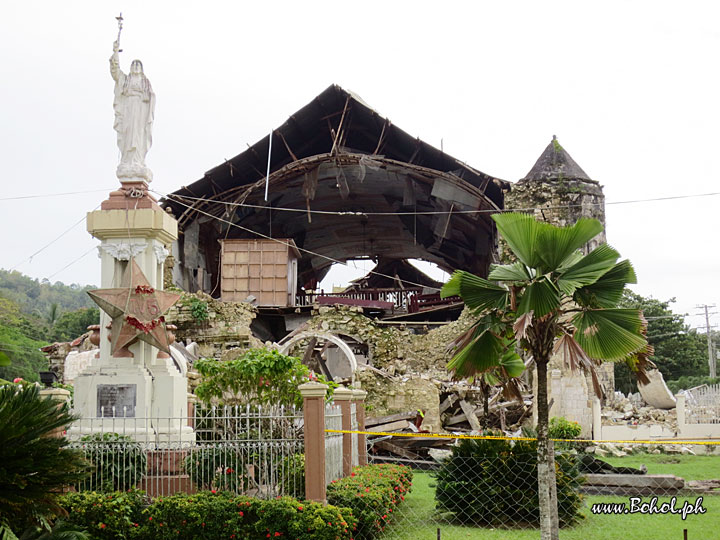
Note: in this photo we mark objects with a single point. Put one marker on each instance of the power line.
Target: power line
(52, 241)
(177, 198)
(73, 262)
(54, 194)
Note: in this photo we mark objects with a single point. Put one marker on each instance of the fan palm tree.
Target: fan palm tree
(553, 300)
(34, 465)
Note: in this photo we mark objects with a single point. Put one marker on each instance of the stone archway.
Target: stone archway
(335, 340)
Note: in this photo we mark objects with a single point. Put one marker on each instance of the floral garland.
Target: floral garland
(145, 327)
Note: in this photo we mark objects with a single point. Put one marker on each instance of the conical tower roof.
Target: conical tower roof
(555, 164)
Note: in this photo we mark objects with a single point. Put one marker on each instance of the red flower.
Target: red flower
(240, 514)
(229, 470)
(300, 507)
(278, 534)
(102, 525)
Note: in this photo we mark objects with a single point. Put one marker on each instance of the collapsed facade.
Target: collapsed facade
(338, 182)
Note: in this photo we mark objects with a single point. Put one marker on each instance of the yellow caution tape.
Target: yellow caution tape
(504, 438)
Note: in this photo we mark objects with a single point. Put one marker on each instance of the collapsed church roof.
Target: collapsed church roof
(344, 183)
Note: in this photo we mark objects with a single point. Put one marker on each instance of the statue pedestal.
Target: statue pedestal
(133, 392)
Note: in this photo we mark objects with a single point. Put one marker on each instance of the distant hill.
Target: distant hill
(41, 298)
(34, 313)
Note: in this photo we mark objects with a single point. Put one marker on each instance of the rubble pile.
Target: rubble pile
(633, 411)
(214, 325)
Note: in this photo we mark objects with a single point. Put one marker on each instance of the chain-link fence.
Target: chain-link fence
(488, 489)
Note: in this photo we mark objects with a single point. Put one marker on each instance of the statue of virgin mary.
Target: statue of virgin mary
(134, 106)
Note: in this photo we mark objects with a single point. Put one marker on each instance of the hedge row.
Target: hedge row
(205, 516)
(360, 506)
(372, 493)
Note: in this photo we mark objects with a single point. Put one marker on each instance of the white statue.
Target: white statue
(134, 106)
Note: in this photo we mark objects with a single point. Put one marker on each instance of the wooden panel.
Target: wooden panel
(242, 257)
(242, 271)
(281, 285)
(255, 256)
(280, 271)
(243, 286)
(254, 270)
(228, 284)
(254, 285)
(228, 270)
(268, 284)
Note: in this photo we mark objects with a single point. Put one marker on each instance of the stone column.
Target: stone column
(359, 401)
(131, 225)
(597, 419)
(61, 396)
(680, 411)
(313, 394)
(343, 396)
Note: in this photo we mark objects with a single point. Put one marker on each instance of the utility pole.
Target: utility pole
(708, 334)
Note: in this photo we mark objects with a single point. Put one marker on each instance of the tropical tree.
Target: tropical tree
(553, 300)
(34, 465)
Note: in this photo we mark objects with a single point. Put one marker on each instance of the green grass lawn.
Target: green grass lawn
(687, 467)
(415, 518)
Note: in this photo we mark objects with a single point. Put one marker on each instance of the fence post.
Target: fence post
(343, 396)
(313, 394)
(359, 400)
(61, 396)
(596, 419)
(680, 411)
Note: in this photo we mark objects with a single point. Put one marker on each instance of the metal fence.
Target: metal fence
(333, 443)
(247, 450)
(702, 405)
(491, 487)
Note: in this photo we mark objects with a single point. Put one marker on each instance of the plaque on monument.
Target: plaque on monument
(121, 396)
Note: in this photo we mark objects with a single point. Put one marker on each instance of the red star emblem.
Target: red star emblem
(137, 310)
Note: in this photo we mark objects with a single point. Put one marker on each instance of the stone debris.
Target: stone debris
(634, 411)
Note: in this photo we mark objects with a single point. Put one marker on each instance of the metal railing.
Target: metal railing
(247, 450)
(333, 443)
(702, 405)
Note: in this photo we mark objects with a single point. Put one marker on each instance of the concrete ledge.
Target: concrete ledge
(632, 484)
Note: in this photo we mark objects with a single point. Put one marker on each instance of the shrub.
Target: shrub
(372, 493)
(108, 516)
(561, 428)
(212, 515)
(34, 465)
(223, 467)
(494, 482)
(258, 377)
(119, 461)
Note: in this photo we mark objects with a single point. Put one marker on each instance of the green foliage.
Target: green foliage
(198, 308)
(119, 461)
(259, 377)
(372, 493)
(72, 324)
(37, 297)
(561, 428)
(221, 467)
(494, 483)
(685, 382)
(108, 516)
(678, 350)
(34, 465)
(209, 516)
(24, 358)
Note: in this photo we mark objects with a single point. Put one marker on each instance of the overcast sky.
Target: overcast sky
(631, 89)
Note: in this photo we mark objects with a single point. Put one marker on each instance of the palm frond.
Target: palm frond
(607, 291)
(481, 354)
(588, 269)
(476, 292)
(522, 324)
(609, 334)
(575, 358)
(521, 232)
(540, 297)
(556, 244)
(510, 272)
